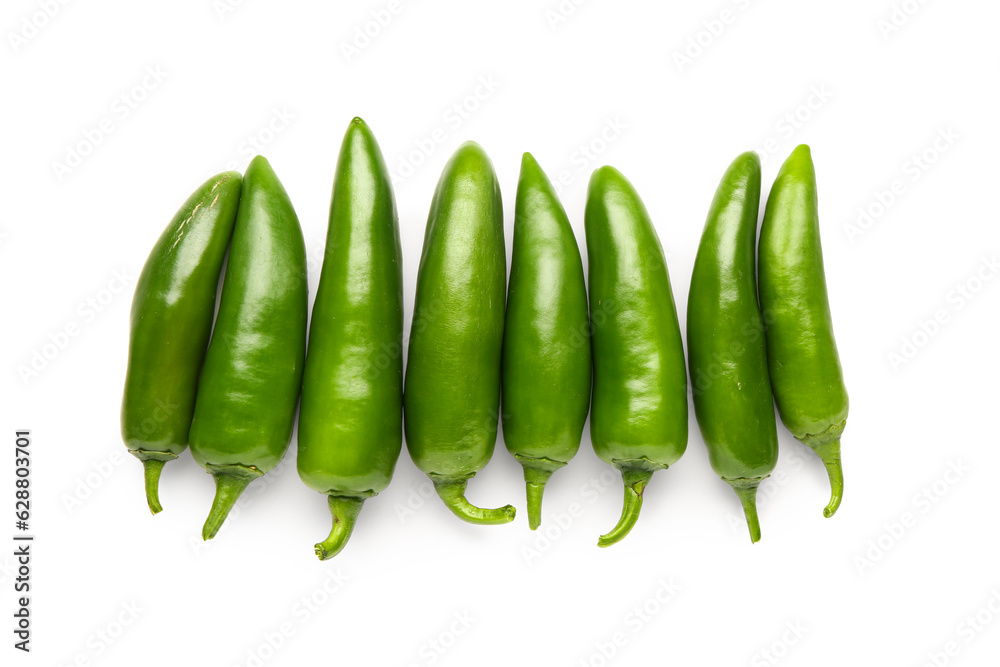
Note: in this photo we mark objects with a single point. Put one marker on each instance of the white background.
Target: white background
(870, 97)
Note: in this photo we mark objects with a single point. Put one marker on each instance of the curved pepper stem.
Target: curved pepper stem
(151, 470)
(836, 474)
(635, 481)
(152, 466)
(830, 454)
(746, 489)
(230, 481)
(452, 492)
(826, 445)
(345, 512)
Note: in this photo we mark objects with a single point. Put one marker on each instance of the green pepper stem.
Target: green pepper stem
(826, 445)
(836, 474)
(635, 481)
(344, 510)
(230, 481)
(537, 471)
(151, 470)
(830, 455)
(746, 489)
(452, 492)
(534, 481)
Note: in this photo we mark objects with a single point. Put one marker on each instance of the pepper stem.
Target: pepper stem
(230, 481)
(534, 481)
(836, 474)
(152, 466)
(826, 445)
(746, 489)
(345, 512)
(537, 472)
(452, 492)
(151, 470)
(634, 480)
(830, 455)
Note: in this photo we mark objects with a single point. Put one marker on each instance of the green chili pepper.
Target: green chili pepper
(806, 377)
(638, 421)
(732, 396)
(250, 382)
(351, 418)
(452, 386)
(171, 323)
(546, 344)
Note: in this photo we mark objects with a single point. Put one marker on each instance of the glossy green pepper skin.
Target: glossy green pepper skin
(452, 386)
(546, 344)
(806, 377)
(351, 418)
(638, 420)
(732, 395)
(171, 322)
(250, 382)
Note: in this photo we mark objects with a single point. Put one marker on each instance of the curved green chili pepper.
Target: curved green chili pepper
(250, 382)
(546, 343)
(806, 377)
(351, 418)
(732, 396)
(638, 419)
(452, 385)
(171, 322)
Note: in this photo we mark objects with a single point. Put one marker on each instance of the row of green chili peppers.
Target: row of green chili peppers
(533, 345)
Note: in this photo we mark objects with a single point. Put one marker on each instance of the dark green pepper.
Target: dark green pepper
(732, 395)
(546, 344)
(452, 386)
(351, 418)
(250, 382)
(171, 323)
(638, 420)
(806, 377)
